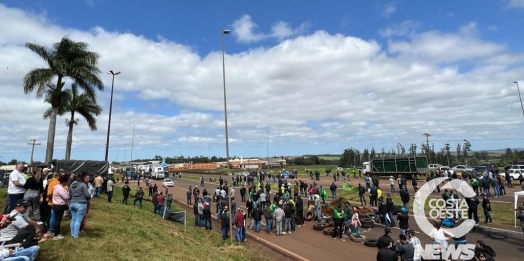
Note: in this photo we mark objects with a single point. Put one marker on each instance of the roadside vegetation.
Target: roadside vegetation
(125, 232)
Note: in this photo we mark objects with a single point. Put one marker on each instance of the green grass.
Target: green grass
(122, 232)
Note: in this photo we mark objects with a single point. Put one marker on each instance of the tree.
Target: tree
(413, 149)
(459, 148)
(12, 162)
(65, 59)
(75, 102)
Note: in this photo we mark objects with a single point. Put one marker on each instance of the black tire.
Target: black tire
(320, 226)
(364, 215)
(328, 231)
(370, 243)
(367, 226)
(310, 215)
(366, 221)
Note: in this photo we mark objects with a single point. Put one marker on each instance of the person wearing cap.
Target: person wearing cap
(22, 230)
(15, 189)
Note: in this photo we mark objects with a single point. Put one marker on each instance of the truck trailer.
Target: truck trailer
(392, 166)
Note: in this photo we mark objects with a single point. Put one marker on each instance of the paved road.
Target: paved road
(313, 245)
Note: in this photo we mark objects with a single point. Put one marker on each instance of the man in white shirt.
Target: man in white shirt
(15, 188)
(232, 193)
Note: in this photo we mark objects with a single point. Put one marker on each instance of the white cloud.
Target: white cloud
(245, 30)
(388, 9)
(515, 3)
(314, 93)
(408, 27)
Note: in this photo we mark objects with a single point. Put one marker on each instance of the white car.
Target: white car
(463, 168)
(514, 173)
(168, 183)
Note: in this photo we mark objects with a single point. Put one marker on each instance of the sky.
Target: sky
(302, 77)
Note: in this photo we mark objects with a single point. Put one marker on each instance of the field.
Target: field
(122, 232)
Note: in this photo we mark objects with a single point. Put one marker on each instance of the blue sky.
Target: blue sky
(318, 77)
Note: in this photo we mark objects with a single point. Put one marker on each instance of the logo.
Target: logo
(439, 209)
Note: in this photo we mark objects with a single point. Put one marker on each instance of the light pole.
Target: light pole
(427, 146)
(447, 152)
(110, 111)
(224, 32)
(520, 98)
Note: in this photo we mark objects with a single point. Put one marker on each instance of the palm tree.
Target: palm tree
(65, 59)
(75, 102)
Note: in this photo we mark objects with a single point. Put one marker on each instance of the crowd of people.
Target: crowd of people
(36, 203)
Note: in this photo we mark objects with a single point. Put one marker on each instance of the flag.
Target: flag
(179, 217)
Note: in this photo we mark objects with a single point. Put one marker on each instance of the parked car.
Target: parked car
(442, 169)
(434, 166)
(491, 167)
(168, 183)
(463, 168)
(514, 173)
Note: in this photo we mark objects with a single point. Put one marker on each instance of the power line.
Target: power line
(23, 129)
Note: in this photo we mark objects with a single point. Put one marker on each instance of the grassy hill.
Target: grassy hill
(122, 232)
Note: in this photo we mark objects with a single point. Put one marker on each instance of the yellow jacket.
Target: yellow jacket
(50, 188)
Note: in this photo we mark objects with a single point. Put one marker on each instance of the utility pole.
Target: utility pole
(32, 143)
(427, 146)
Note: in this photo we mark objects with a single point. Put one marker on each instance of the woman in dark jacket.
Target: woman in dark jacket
(34, 193)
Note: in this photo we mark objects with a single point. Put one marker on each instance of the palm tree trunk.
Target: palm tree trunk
(69, 143)
(51, 135)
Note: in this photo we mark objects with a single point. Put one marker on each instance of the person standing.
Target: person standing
(404, 196)
(473, 208)
(403, 221)
(125, 192)
(109, 188)
(15, 189)
(60, 201)
(224, 223)
(34, 193)
(338, 218)
(139, 196)
(161, 200)
(257, 217)
(300, 211)
(404, 248)
(486, 205)
(288, 215)
(417, 246)
(279, 217)
(98, 185)
(333, 189)
(80, 197)
(239, 224)
(188, 196)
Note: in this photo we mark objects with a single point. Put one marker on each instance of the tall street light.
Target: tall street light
(521, 106)
(110, 111)
(224, 32)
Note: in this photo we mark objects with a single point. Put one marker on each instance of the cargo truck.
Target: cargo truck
(389, 166)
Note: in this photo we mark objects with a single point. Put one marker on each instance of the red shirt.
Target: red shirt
(239, 219)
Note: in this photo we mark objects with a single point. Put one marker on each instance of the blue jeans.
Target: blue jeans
(12, 201)
(51, 224)
(203, 221)
(257, 226)
(161, 210)
(279, 228)
(287, 227)
(486, 190)
(319, 216)
(487, 214)
(334, 195)
(18, 258)
(97, 192)
(238, 234)
(404, 231)
(197, 220)
(109, 196)
(78, 211)
(368, 186)
(392, 188)
(405, 205)
(269, 223)
(497, 191)
(30, 252)
(225, 232)
(392, 220)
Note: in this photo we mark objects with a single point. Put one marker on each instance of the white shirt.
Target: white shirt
(232, 192)
(15, 176)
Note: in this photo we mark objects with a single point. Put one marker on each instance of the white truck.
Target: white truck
(158, 172)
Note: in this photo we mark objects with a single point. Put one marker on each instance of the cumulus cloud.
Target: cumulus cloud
(313, 93)
(245, 30)
(388, 8)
